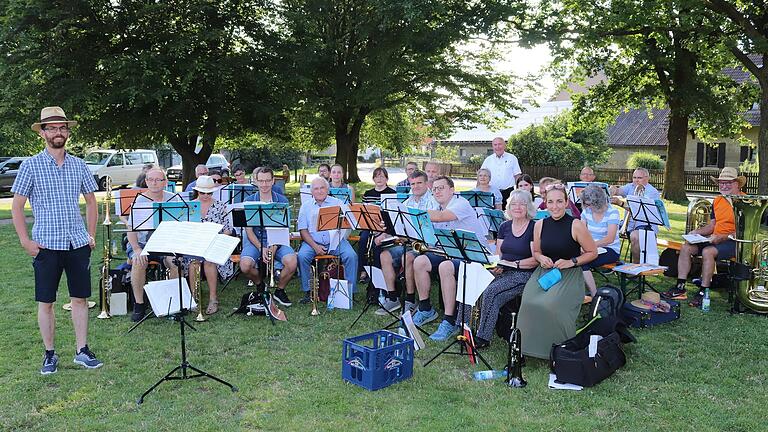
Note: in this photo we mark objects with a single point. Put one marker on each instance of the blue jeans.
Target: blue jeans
(344, 251)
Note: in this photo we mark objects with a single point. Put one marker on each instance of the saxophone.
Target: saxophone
(106, 280)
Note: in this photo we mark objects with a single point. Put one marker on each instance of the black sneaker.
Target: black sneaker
(139, 310)
(50, 364)
(282, 298)
(306, 299)
(87, 359)
(677, 291)
(697, 299)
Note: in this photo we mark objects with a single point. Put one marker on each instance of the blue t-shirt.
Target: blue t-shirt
(515, 248)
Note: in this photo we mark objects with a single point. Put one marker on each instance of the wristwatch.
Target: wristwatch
(575, 261)
(517, 264)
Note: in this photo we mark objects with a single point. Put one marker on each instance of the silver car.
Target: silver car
(8, 170)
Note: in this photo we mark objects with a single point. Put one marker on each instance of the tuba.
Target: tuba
(699, 212)
(751, 255)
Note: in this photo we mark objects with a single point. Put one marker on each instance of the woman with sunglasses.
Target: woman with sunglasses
(561, 244)
(484, 185)
(214, 211)
(337, 181)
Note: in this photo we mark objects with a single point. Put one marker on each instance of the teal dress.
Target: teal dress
(549, 317)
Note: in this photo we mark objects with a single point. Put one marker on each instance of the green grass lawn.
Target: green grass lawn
(706, 371)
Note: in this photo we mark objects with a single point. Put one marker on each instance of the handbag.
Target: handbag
(571, 363)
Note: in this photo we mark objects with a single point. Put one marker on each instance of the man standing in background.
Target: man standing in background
(504, 169)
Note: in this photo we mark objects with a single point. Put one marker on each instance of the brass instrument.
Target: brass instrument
(314, 289)
(106, 280)
(698, 214)
(195, 267)
(422, 248)
(751, 255)
(515, 357)
(273, 309)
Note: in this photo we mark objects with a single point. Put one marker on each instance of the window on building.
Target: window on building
(710, 156)
(462, 152)
(746, 153)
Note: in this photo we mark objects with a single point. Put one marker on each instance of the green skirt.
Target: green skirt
(549, 317)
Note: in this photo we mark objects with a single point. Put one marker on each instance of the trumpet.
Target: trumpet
(422, 248)
(194, 269)
(106, 279)
(314, 289)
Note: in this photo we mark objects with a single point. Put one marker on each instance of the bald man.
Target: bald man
(504, 168)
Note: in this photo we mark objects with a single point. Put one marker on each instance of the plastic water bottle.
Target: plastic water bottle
(705, 301)
(489, 374)
(114, 247)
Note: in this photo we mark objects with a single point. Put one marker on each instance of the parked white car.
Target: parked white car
(121, 166)
(215, 161)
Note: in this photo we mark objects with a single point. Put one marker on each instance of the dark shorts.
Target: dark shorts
(48, 266)
(435, 260)
(725, 250)
(608, 257)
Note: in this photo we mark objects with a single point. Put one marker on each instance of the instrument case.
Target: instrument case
(637, 317)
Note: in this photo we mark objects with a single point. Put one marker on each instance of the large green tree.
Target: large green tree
(653, 53)
(348, 59)
(139, 72)
(750, 18)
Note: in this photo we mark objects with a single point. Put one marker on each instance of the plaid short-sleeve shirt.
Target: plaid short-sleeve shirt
(54, 194)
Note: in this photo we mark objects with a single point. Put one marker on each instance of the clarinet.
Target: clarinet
(514, 357)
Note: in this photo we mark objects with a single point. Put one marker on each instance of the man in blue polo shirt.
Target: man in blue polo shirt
(256, 238)
(53, 181)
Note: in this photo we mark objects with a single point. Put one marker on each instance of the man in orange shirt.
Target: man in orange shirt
(719, 246)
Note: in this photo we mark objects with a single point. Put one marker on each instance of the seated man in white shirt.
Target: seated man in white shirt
(454, 213)
(318, 242)
(391, 259)
(640, 186)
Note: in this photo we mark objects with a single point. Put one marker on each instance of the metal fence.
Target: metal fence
(695, 181)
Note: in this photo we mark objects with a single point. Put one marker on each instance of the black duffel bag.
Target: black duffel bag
(570, 361)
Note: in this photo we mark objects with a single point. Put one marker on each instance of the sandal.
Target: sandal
(213, 307)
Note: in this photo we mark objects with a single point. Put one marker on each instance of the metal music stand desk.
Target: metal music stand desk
(467, 247)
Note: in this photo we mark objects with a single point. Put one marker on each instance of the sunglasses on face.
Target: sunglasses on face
(205, 193)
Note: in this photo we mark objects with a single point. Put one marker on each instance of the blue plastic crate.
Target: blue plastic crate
(376, 360)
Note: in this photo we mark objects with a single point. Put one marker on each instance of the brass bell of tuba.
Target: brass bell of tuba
(698, 214)
(751, 255)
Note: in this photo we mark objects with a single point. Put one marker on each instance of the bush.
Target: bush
(645, 160)
(447, 153)
(476, 159)
(253, 151)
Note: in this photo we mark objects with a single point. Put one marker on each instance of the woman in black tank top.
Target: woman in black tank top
(561, 242)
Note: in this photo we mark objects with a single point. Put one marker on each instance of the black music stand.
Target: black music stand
(644, 211)
(465, 246)
(184, 365)
(263, 215)
(368, 217)
(478, 198)
(415, 226)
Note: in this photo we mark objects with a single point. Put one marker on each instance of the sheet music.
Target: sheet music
(200, 239)
(377, 277)
(305, 190)
(695, 238)
(278, 236)
(478, 279)
(644, 210)
(163, 295)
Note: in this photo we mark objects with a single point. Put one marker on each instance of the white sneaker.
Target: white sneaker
(388, 305)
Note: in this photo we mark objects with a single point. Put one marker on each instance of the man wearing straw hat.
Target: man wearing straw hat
(53, 181)
(719, 247)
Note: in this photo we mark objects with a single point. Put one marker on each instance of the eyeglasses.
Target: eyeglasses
(56, 129)
(154, 179)
(558, 186)
(204, 193)
(263, 181)
(218, 180)
(439, 188)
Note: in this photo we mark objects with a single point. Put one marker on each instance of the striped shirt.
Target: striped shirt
(54, 194)
(599, 230)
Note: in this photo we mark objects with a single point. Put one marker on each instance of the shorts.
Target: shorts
(725, 250)
(397, 255)
(252, 252)
(436, 259)
(608, 257)
(48, 266)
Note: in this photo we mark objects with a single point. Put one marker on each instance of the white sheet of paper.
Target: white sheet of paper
(199, 239)
(593, 340)
(601, 250)
(648, 247)
(339, 297)
(335, 236)
(377, 277)
(478, 279)
(562, 386)
(305, 190)
(278, 236)
(412, 331)
(695, 238)
(142, 217)
(221, 248)
(163, 295)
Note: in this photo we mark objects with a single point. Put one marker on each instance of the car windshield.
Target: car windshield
(97, 158)
(216, 160)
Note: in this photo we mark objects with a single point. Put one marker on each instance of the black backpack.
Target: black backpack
(608, 303)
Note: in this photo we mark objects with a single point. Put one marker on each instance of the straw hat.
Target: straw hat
(205, 184)
(730, 174)
(651, 300)
(52, 115)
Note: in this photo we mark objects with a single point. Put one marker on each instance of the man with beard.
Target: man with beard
(53, 181)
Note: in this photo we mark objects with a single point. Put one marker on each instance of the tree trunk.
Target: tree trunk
(674, 169)
(185, 146)
(762, 136)
(348, 144)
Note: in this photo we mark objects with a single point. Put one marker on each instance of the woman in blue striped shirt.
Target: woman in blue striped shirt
(603, 224)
